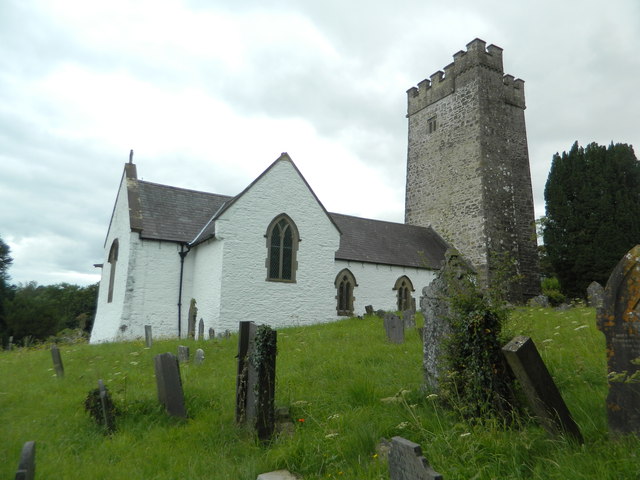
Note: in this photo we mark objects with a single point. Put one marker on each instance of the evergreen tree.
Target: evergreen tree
(5, 287)
(592, 200)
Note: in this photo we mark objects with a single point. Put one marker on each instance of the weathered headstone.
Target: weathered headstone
(10, 347)
(541, 301)
(619, 320)
(435, 309)
(409, 318)
(201, 329)
(183, 354)
(199, 357)
(169, 384)
(277, 475)
(27, 465)
(57, 361)
(539, 387)
(193, 314)
(394, 327)
(255, 386)
(595, 294)
(406, 462)
(368, 309)
(148, 338)
(212, 334)
(108, 417)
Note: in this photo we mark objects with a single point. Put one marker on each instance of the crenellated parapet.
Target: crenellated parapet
(443, 83)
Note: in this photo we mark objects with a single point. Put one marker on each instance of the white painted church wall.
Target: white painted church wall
(375, 284)
(245, 293)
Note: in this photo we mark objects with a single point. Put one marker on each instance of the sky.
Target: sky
(208, 93)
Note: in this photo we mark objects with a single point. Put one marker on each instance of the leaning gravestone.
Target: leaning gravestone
(368, 309)
(201, 329)
(435, 309)
(183, 354)
(406, 462)
(199, 357)
(394, 327)
(169, 384)
(27, 465)
(212, 334)
(57, 361)
(192, 315)
(619, 320)
(539, 387)
(255, 385)
(148, 338)
(107, 408)
(595, 293)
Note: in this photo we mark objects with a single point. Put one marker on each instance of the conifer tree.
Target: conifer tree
(592, 200)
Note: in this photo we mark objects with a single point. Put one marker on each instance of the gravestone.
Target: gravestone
(368, 309)
(540, 389)
(27, 464)
(619, 320)
(183, 354)
(148, 338)
(169, 384)
(541, 301)
(394, 327)
(595, 294)
(10, 346)
(409, 318)
(212, 334)
(406, 462)
(199, 357)
(255, 383)
(201, 329)
(277, 475)
(57, 361)
(435, 309)
(106, 404)
(193, 314)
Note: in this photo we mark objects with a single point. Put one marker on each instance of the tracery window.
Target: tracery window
(282, 244)
(345, 283)
(113, 259)
(404, 287)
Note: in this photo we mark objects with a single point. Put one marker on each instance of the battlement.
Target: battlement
(443, 83)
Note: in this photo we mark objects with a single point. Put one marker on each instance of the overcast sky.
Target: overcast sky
(209, 93)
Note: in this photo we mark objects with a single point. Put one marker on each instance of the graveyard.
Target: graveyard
(339, 389)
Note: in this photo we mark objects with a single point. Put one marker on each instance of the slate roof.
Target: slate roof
(175, 214)
(376, 241)
(185, 216)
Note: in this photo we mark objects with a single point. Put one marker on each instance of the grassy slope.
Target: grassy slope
(333, 377)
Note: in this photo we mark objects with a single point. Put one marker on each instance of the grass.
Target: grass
(346, 388)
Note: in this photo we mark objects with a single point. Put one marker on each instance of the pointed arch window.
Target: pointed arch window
(404, 287)
(345, 284)
(113, 259)
(282, 245)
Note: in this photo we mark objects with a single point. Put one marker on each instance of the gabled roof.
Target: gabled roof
(376, 241)
(175, 214)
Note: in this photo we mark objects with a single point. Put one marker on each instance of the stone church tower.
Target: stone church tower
(468, 165)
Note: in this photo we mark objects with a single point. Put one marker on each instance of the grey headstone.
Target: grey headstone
(201, 329)
(408, 316)
(183, 354)
(406, 462)
(10, 347)
(148, 337)
(595, 295)
(540, 389)
(394, 327)
(368, 309)
(619, 320)
(199, 357)
(57, 361)
(193, 314)
(27, 465)
(539, 301)
(277, 475)
(212, 334)
(108, 419)
(169, 384)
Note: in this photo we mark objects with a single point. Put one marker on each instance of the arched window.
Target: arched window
(282, 245)
(404, 287)
(113, 259)
(345, 283)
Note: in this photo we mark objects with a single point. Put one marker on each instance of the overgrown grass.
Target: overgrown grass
(334, 378)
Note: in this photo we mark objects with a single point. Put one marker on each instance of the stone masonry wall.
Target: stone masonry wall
(467, 164)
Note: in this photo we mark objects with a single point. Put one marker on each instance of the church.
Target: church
(275, 255)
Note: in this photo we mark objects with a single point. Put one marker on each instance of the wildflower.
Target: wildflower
(466, 434)
(580, 327)
(331, 435)
(134, 363)
(402, 425)
(432, 396)
(547, 340)
(375, 455)
(134, 353)
(301, 420)
(334, 416)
